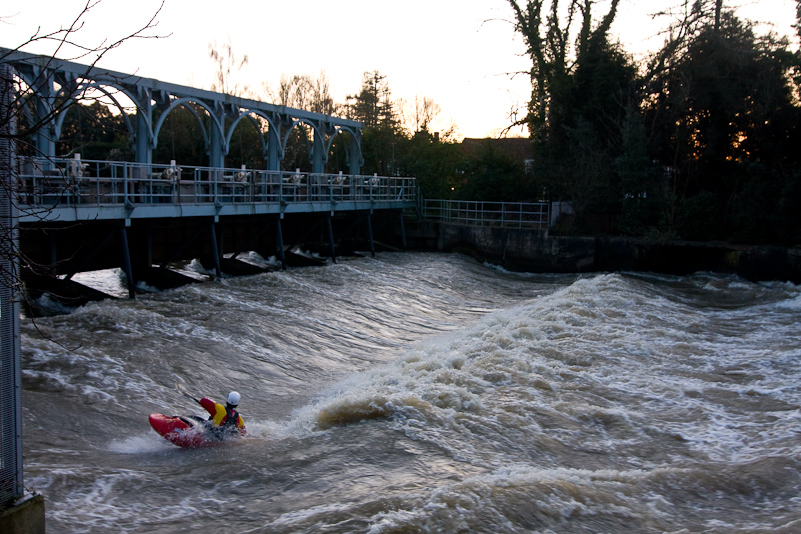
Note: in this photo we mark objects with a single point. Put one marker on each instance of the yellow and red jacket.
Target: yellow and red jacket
(220, 417)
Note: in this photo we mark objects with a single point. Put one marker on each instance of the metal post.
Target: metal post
(149, 244)
(370, 234)
(318, 150)
(331, 239)
(126, 263)
(11, 486)
(144, 112)
(215, 250)
(280, 239)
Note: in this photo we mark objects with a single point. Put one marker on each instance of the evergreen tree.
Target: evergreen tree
(373, 106)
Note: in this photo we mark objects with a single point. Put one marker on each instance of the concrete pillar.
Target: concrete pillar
(26, 516)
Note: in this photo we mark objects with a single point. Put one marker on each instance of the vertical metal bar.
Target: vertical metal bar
(11, 482)
(215, 250)
(149, 243)
(370, 234)
(280, 240)
(126, 263)
(331, 239)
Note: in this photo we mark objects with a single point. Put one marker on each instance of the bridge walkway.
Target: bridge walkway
(80, 215)
(83, 190)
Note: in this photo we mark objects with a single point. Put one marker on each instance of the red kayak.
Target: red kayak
(189, 432)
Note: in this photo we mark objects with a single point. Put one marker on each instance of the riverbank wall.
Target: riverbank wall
(527, 250)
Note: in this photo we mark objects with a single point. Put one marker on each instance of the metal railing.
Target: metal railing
(478, 213)
(70, 182)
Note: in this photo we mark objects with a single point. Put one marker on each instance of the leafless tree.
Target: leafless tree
(227, 63)
(21, 118)
(301, 91)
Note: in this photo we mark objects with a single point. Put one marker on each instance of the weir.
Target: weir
(79, 215)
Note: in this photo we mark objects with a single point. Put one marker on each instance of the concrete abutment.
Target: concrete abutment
(526, 250)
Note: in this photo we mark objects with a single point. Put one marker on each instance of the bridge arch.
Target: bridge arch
(272, 130)
(52, 80)
(82, 88)
(185, 101)
(349, 146)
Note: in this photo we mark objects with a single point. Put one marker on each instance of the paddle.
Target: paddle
(184, 393)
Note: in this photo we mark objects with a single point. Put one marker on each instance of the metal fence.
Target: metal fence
(11, 482)
(76, 182)
(478, 213)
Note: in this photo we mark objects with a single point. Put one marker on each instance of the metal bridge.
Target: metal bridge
(70, 190)
(77, 214)
(74, 215)
(49, 86)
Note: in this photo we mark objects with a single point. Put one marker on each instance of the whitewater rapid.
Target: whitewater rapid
(426, 393)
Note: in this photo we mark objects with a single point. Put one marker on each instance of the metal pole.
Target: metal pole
(126, 263)
(11, 486)
(331, 239)
(280, 239)
(215, 250)
(370, 234)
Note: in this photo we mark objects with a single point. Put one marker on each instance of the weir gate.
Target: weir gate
(80, 215)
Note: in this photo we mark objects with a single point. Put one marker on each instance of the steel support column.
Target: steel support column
(280, 241)
(143, 142)
(370, 234)
(331, 243)
(126, 263)
(11, 483)
(215, 249)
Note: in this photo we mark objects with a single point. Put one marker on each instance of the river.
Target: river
(425, 393)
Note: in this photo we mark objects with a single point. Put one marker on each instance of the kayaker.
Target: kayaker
(225, 420)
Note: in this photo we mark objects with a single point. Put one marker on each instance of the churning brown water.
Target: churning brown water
(426, 393)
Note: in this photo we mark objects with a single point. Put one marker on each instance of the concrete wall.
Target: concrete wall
(25, 517)
(536, 251)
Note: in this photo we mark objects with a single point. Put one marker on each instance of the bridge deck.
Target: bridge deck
(80, 190)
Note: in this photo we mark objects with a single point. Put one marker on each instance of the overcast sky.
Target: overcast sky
(460, 53)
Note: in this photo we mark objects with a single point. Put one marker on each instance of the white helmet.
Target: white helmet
(233, 398)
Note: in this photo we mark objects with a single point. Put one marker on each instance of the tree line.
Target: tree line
(697, 141)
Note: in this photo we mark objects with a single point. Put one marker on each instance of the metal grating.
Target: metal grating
(11, 484)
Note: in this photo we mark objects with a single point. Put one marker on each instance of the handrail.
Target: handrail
(62, 182)
(534, 215)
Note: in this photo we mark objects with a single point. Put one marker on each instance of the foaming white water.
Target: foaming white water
(425, 393)
(654, 367)
(142, 444)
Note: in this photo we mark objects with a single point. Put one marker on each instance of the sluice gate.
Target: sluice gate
(79, 215)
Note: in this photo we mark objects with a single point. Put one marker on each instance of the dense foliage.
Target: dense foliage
(697, 143)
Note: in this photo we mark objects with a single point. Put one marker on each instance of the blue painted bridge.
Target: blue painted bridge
(79, 215)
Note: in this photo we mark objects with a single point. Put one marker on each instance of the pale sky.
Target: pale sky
(460, 53)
